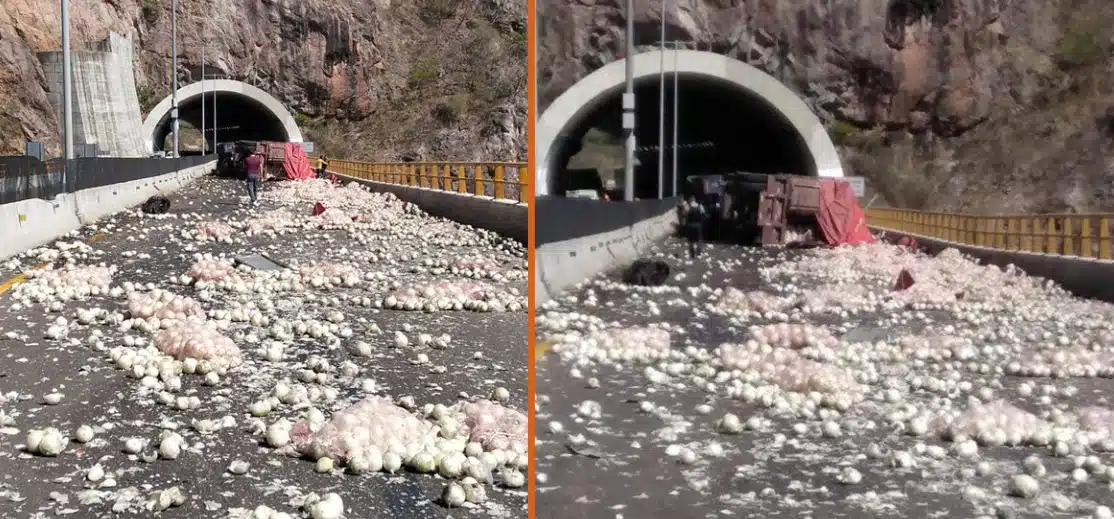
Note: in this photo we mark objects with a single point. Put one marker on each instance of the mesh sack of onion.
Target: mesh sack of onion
(198, 340)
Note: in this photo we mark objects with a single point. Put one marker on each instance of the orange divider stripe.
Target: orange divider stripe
(532, 117)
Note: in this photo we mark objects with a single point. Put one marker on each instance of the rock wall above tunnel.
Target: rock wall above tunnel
(383, 76)
(924, 64)
(918, 92)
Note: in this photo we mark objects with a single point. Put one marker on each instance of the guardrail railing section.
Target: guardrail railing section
(499, 180)
(1080, 235)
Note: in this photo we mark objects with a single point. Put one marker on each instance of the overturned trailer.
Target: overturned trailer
(281, 160)
(747, 208)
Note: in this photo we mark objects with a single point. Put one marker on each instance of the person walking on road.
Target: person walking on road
(694, 216)
(254, 166)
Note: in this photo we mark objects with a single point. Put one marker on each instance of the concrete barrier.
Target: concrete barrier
(1080, 276)
(563, 264)
(506, 217)
(31, 223)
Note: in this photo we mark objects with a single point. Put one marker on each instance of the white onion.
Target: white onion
(133, 445)
(83, 434)
(95, 473)
(1023, 485)
(170, 447)
(51, 443)
(453, 495)
(392, 462)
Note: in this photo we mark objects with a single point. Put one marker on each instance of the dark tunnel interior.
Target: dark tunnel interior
(238, 117)
(721, 129)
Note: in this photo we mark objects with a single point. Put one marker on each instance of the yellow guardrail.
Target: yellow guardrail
(1082, 235)
(499, 180)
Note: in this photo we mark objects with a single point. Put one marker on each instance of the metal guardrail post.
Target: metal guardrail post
(1079, 235)
(475, 178)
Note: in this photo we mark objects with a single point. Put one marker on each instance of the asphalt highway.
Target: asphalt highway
(612, 441)
(488, 351)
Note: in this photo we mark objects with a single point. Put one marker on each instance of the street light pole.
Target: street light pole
(174, 71)
(628, 108)
(661, 106)
(214, 117)
(676, 117)
(204, 145)
(67, 90)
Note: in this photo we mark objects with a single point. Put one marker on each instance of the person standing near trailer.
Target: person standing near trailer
(254, 169)
(694, 217)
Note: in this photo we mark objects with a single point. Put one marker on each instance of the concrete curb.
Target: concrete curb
(31, 223)
(562, 265)
(506, 217)
(1080, 276)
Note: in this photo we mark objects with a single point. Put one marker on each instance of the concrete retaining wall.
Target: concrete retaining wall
(1080, 276)
(506, 217)
(30, 223)
(106, 108)
(562, 265)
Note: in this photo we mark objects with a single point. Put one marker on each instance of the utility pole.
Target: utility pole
(676, 117)
(214, 117)
(67, 92)
(204, 45)
(174, 71)
(628, 108)
(661, 105)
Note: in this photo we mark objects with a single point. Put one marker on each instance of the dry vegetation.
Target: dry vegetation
(1045, 148)
(467, 75)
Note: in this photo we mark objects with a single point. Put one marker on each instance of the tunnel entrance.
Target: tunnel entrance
(731, 117)
(720, 129)
(243, 112)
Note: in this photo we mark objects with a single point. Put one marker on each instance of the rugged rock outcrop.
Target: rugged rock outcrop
(433, 79)
(989, 105)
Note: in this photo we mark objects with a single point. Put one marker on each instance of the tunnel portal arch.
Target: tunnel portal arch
(157, 122)
(564, 114)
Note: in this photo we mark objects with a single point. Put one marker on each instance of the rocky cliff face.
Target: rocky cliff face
(383, 79)
(987, 105)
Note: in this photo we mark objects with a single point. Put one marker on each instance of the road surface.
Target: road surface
(617, 439)
(487, 351)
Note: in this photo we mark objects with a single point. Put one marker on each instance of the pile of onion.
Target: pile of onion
(163, 305)
(198, 340)
(213, 230)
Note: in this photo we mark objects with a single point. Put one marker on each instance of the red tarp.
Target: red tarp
(841, 218)
(296, 162)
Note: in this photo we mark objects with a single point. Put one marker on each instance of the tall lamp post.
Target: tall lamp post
(67, 92)
(204, 43)
(214, 76)
(676, 115)
(174, 71)
(628, 109)
(661, 106)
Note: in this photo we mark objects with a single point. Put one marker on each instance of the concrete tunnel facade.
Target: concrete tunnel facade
(237, 103)
(562, 117)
